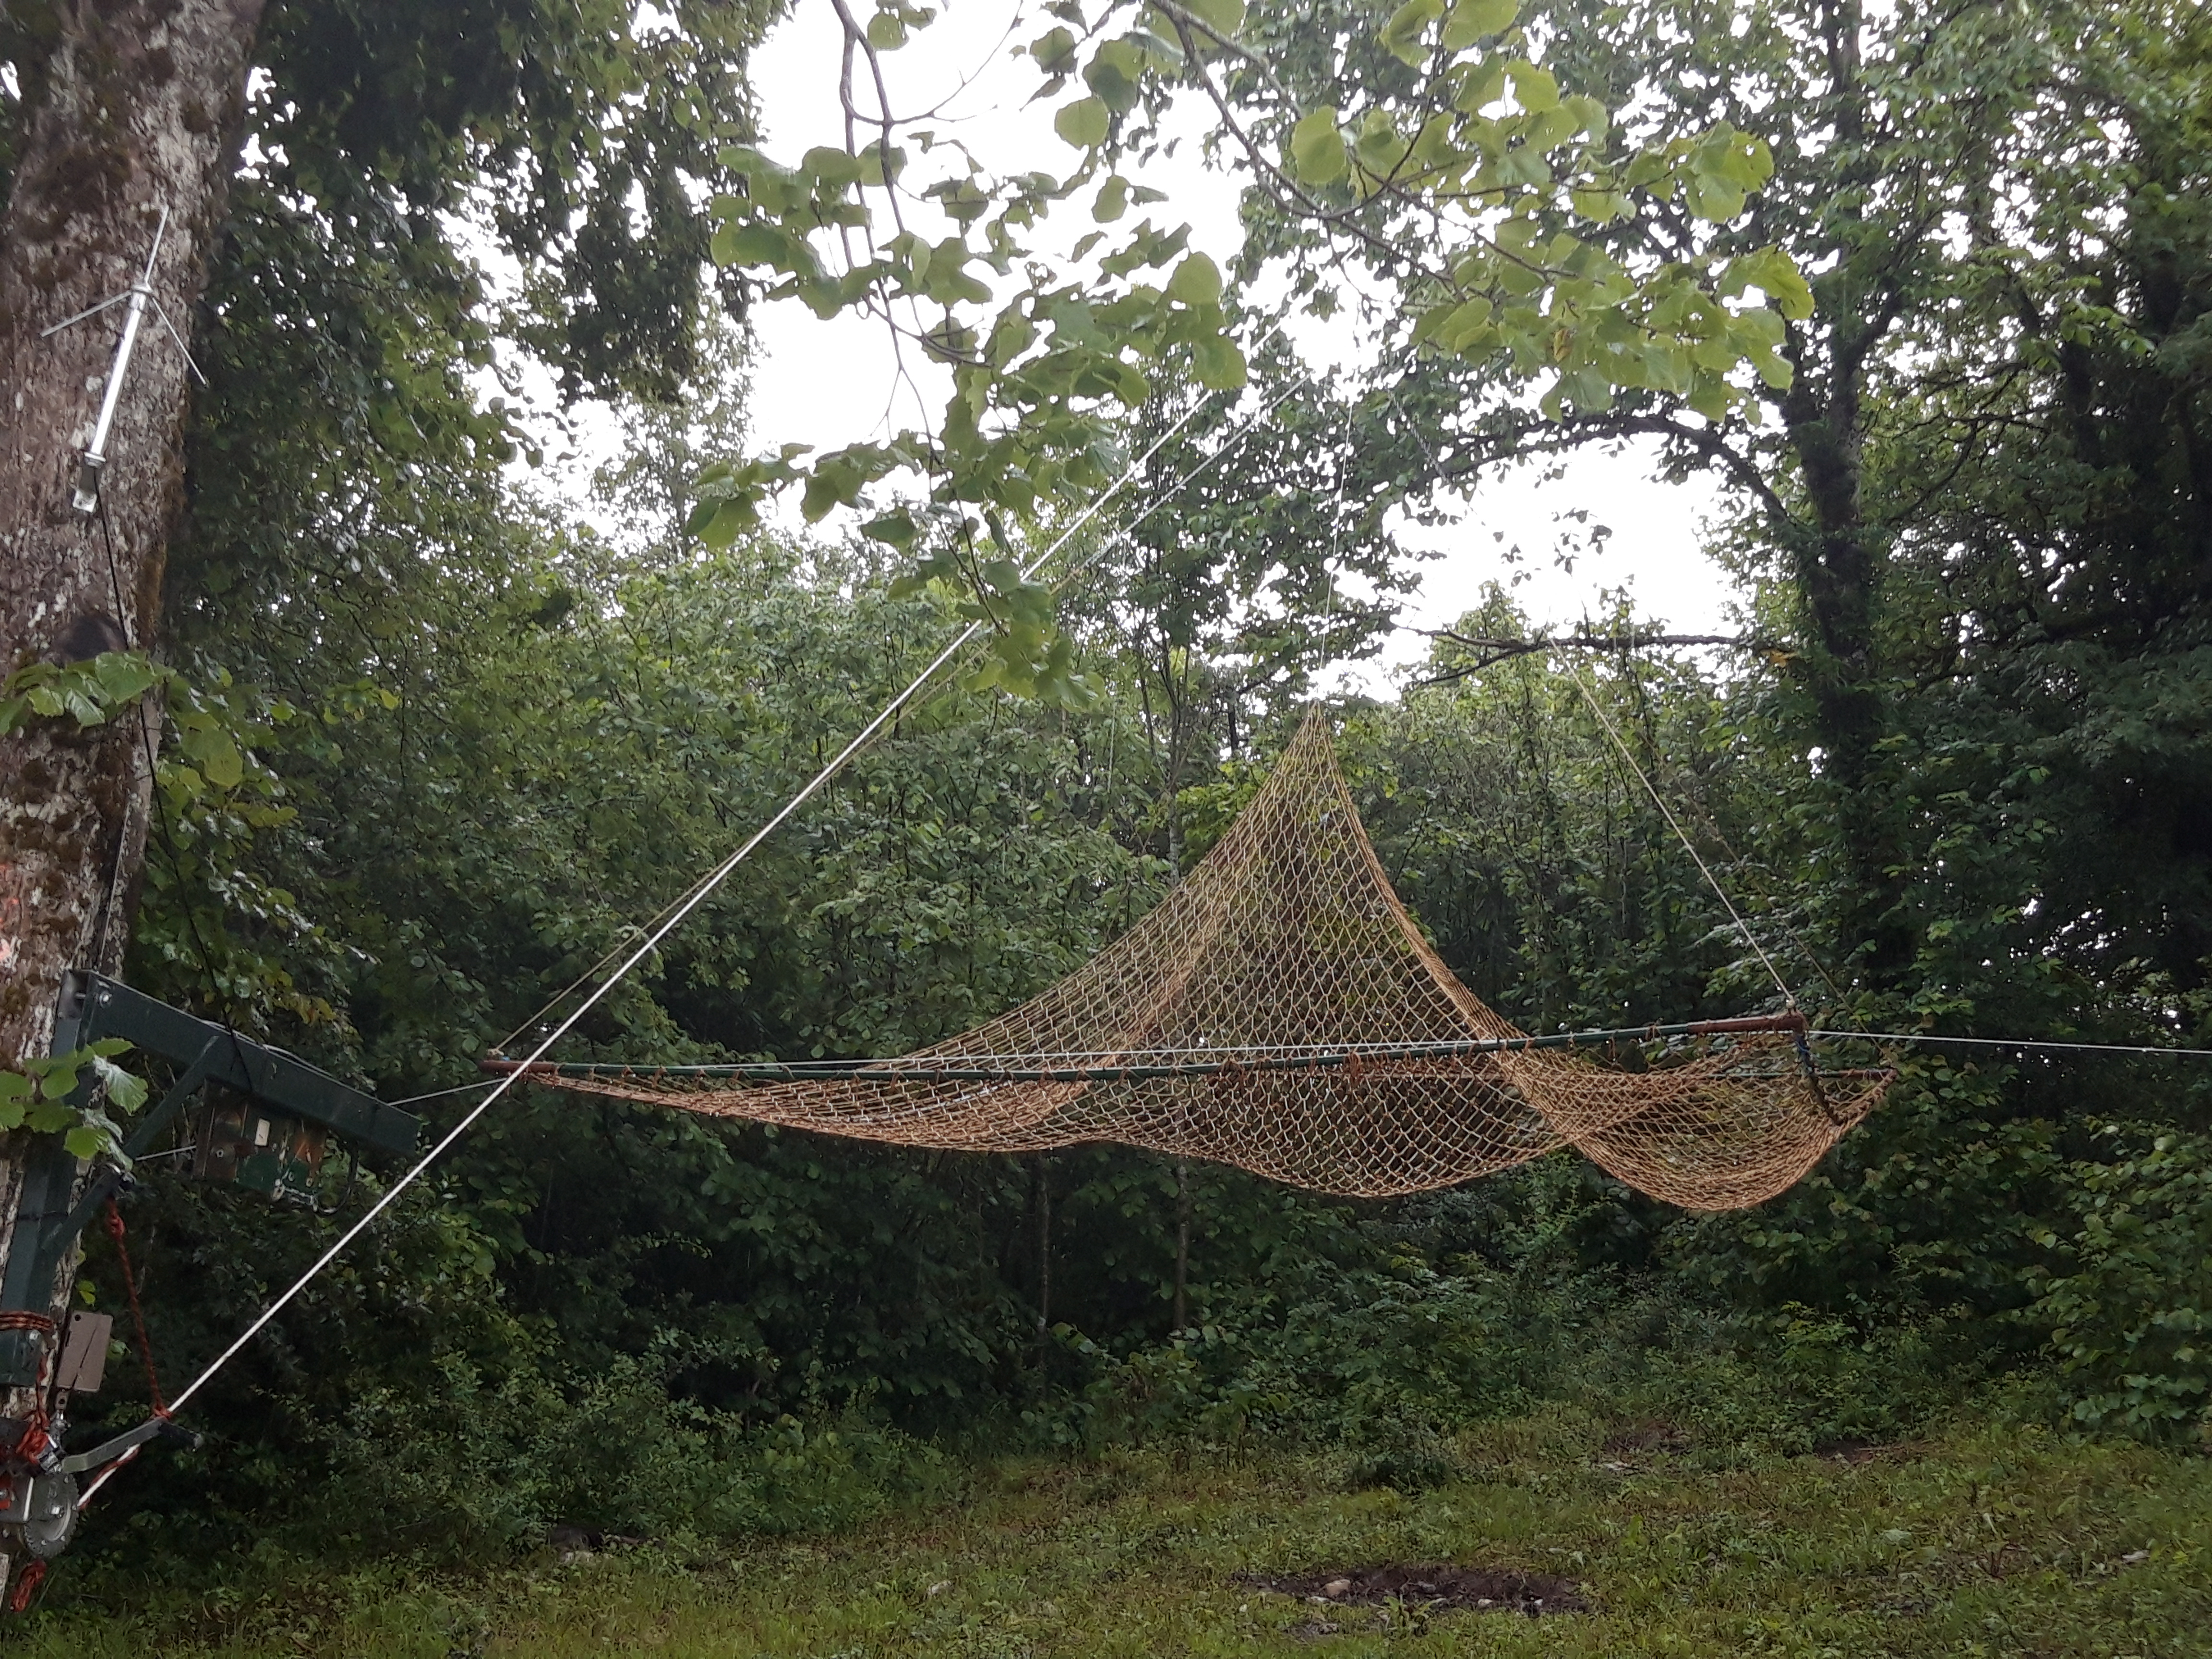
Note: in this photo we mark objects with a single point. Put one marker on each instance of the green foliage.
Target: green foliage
(497, 1465)
(51, 1094)
(1985, 1536)
(1452, 188)
(2128, 1299)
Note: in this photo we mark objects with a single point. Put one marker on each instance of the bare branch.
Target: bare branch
(1489, 652)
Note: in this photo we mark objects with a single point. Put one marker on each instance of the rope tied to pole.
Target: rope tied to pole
(115, 1231)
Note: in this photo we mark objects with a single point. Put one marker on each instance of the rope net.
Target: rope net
(1279, 1010)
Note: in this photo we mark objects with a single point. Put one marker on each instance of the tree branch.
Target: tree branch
(1491, 652)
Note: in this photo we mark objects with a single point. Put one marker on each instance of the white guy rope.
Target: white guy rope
(1789, 998)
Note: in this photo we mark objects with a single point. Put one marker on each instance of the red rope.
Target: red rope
(26, 1585)
(137, 1314)
(32, 1443)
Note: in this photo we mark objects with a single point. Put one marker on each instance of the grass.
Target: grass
(1985, 1541)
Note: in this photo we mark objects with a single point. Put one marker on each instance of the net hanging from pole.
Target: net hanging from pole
(1279, 1010)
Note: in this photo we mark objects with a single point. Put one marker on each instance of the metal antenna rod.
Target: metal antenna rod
(137, 298)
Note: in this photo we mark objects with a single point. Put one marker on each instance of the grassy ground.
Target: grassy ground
(1982, 1541)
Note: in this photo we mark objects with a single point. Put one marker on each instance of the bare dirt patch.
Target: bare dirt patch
(1436, 1588)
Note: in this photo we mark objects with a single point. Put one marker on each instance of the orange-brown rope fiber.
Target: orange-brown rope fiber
(1279, 1011)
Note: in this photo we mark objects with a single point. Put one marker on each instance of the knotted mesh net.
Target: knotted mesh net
(1279, 1011)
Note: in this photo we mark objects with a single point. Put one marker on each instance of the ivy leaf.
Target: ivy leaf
(17, 1092)
(1317, 153)
(48, 1115)
(123, 675)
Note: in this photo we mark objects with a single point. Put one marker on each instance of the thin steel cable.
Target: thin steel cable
(671, 921)
(2014, 1042)
(1016, 1059)
(438, 1094)
(1789, 997)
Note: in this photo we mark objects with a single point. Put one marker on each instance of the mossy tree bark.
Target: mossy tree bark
(137, 107)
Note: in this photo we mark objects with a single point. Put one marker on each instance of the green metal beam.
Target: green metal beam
(95, 1006)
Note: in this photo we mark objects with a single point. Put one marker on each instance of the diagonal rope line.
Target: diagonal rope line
(676, 914)
(1582, 684)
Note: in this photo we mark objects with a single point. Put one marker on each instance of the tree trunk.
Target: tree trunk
(137, 107)
(1837, 559)
(1182, 1243)
(1043, 1243)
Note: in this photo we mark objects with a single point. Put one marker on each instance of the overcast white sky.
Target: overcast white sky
(833, 383)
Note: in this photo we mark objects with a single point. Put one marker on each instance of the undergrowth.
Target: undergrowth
(1988, 1538)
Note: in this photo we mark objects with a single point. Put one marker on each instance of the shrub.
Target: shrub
(2128, 1299)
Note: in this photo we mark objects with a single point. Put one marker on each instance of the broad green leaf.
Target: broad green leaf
(1055, 51)
(1402, 36)
(750, 245)
(1114, 74)
(1599, 206)
(830, 165)
(1112, 201)
(897, 528)
(1480, 85)
(1218, 364)
(1196, 282)
(125, 1092)
(1774, 274)
(1536, 89)
(123, 675)
(84, 1141)
(886, 30)
(1083, 123)
(1471, 20)
(48, 1115)
(1317, 152)
(1223, 17)
(1380, 147)
(1462, 322)
(819, 496)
